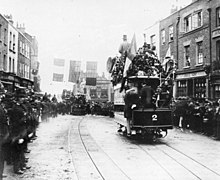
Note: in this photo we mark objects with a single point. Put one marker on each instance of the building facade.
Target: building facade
(15, 56)
(188, 35)
(152, 37)
(3, 43)
(214, 10)
(12, 59)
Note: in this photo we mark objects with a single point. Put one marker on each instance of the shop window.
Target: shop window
(186, 56)
(200, 88)
(93, 93)
(163, 37)
(199, 52)
(170, 33)
(182, 88)
(217, 91)
(218, 16)
(104, 93)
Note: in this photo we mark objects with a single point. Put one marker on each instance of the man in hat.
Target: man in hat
(131, 101)
(4, 131)
(124, 46)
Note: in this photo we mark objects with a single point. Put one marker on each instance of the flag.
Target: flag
(167, 57)
(130, 55)
(58, 77)
(59, 62)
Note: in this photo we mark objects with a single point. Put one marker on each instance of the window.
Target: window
(9, 64)
(153, 40)
(23, 46)
(163, 37)
(170, 33)
(10, 41)
(187, 23)
(13, 42)
(20, 44)
(186, 56)
(200, 88)
(4, 63)
(218, 16)
(193, 21)
(196, 20)
(182, 88)
(13, 65)
(199, 53)
(5, 36)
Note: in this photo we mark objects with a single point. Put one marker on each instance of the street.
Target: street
(89, 147)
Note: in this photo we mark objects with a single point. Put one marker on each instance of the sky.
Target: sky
(84, 30)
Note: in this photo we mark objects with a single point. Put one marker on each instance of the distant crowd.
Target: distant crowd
(201, 116)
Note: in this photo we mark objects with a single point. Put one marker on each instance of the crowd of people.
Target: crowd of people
(20, 113)
(200, 116)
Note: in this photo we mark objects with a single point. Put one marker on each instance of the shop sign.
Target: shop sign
(190, 75)
(216, 33)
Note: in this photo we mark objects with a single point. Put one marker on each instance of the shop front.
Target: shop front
(193, 85)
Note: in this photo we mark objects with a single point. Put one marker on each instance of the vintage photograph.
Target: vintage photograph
(109, 89)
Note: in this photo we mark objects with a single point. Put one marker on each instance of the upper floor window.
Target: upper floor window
(170, 33)
(193, 21)
(188, 23)
(5, 36)
(196, 20)
(153, 40)
(10, 40)
(13, 42)
(20, 46)
(218, 16)
(199, 52)
(186, 56)
(163, 37)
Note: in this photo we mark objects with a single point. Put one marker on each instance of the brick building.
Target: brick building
(187, 34)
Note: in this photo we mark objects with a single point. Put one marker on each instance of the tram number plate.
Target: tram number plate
(154, 117)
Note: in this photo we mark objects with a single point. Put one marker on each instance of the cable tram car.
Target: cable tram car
(147, 111)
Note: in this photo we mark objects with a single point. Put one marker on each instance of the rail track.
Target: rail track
(98, 164)
(92, 158)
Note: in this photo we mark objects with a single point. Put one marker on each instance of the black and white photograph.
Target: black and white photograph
(109, 89)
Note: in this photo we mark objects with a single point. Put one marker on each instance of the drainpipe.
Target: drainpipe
(177, 54)
(210, 89)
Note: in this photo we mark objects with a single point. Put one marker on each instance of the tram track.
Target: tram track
(96, 156)
(185, 165)
(103, 162)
